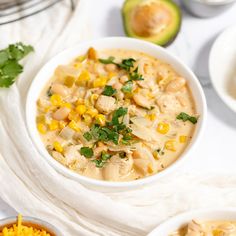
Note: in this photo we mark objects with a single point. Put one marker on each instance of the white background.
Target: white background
(217, 150)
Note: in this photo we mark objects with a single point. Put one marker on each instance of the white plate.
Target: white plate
(181, 220)
(222, 66)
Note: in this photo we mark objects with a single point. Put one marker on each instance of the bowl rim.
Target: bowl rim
(214, 48)
(187, 216)
(217, 3)
(127, 184)
(29, 219)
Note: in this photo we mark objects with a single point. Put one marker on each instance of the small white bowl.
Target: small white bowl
(205, 9)
(182, 220)
(222, 66)
(31, 221)
(110, 43)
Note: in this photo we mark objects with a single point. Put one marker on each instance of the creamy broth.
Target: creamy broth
(114, 120)
(207, 228)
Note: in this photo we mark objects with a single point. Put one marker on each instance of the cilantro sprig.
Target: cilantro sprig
(185, 117)
(86, 151)
(109, 91)
(112, 130)
(126, 64)
(10, 67)
(102, 160)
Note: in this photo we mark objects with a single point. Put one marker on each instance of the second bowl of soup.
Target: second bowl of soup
(115, 112)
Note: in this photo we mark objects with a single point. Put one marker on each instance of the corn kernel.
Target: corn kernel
(87, 119)
(47, 109)
(54, 124)
(81, 109)
(83, 78)
(77, 65)
(62, 124)
(137, 90)
(80, 101)
(163, 128)
(93, 98)
(42, 128)
(99, 82)
(170, 145)
(56, 100)
(111, 74)
(151, 117)
(155, 155)
(69, 81)
(182, 138)
(73, 125)
(101, 119)
(73, 115)
(80, 58)
(92, 54)
(57, 146)
(66, 104)
(150, 95)
(40, 119)
(150, 168)
(92, 112)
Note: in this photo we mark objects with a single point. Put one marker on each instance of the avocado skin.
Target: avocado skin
(169, 40)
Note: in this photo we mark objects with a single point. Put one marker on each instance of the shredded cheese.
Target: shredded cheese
(18, 229)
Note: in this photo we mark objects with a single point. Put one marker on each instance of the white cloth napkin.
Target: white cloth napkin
(31, 186)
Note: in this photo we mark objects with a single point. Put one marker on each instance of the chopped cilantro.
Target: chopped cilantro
(185, 117)
(9, 63)
(135, 75)
(127, 87)
(88, 136)
(86, 151)
(109, 91)
(109, 60)
(102, 160)
(126, 64)
(49, 92)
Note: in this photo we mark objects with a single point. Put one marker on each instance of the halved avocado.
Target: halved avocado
(157, 21)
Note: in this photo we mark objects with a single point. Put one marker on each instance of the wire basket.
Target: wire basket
(15, 10)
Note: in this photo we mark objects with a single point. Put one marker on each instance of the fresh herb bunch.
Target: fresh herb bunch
(185, 117)
(9, 62)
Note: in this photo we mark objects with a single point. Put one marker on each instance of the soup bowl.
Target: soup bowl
(179, 221)
(68, 55)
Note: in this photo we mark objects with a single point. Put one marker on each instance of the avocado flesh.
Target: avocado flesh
(142, 25)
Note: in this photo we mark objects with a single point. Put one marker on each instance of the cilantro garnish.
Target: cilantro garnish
(126, 64)
(88, 136)
(127, 87)
(112, 130)
(109, 60)
(135, 75)
(9, 62)
(185, 117)
(103, 160)
(109, 91)
(86, 151)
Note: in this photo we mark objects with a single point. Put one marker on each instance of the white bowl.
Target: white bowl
(181, 220)
(222, 67)
(108, 43)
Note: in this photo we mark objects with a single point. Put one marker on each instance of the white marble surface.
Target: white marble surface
(217, 150)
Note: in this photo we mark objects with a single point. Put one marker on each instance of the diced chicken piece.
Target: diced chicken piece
(72, 154)
(133, 110)
(175, 85)
(59, 157)
(98, 150)
(67, 133)
(105, 104)
(194, 229)
(92, 171)
(168, 103)
(142, 101)
(117, 168)
(61, 113)
(143, 132)
(60, 89)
